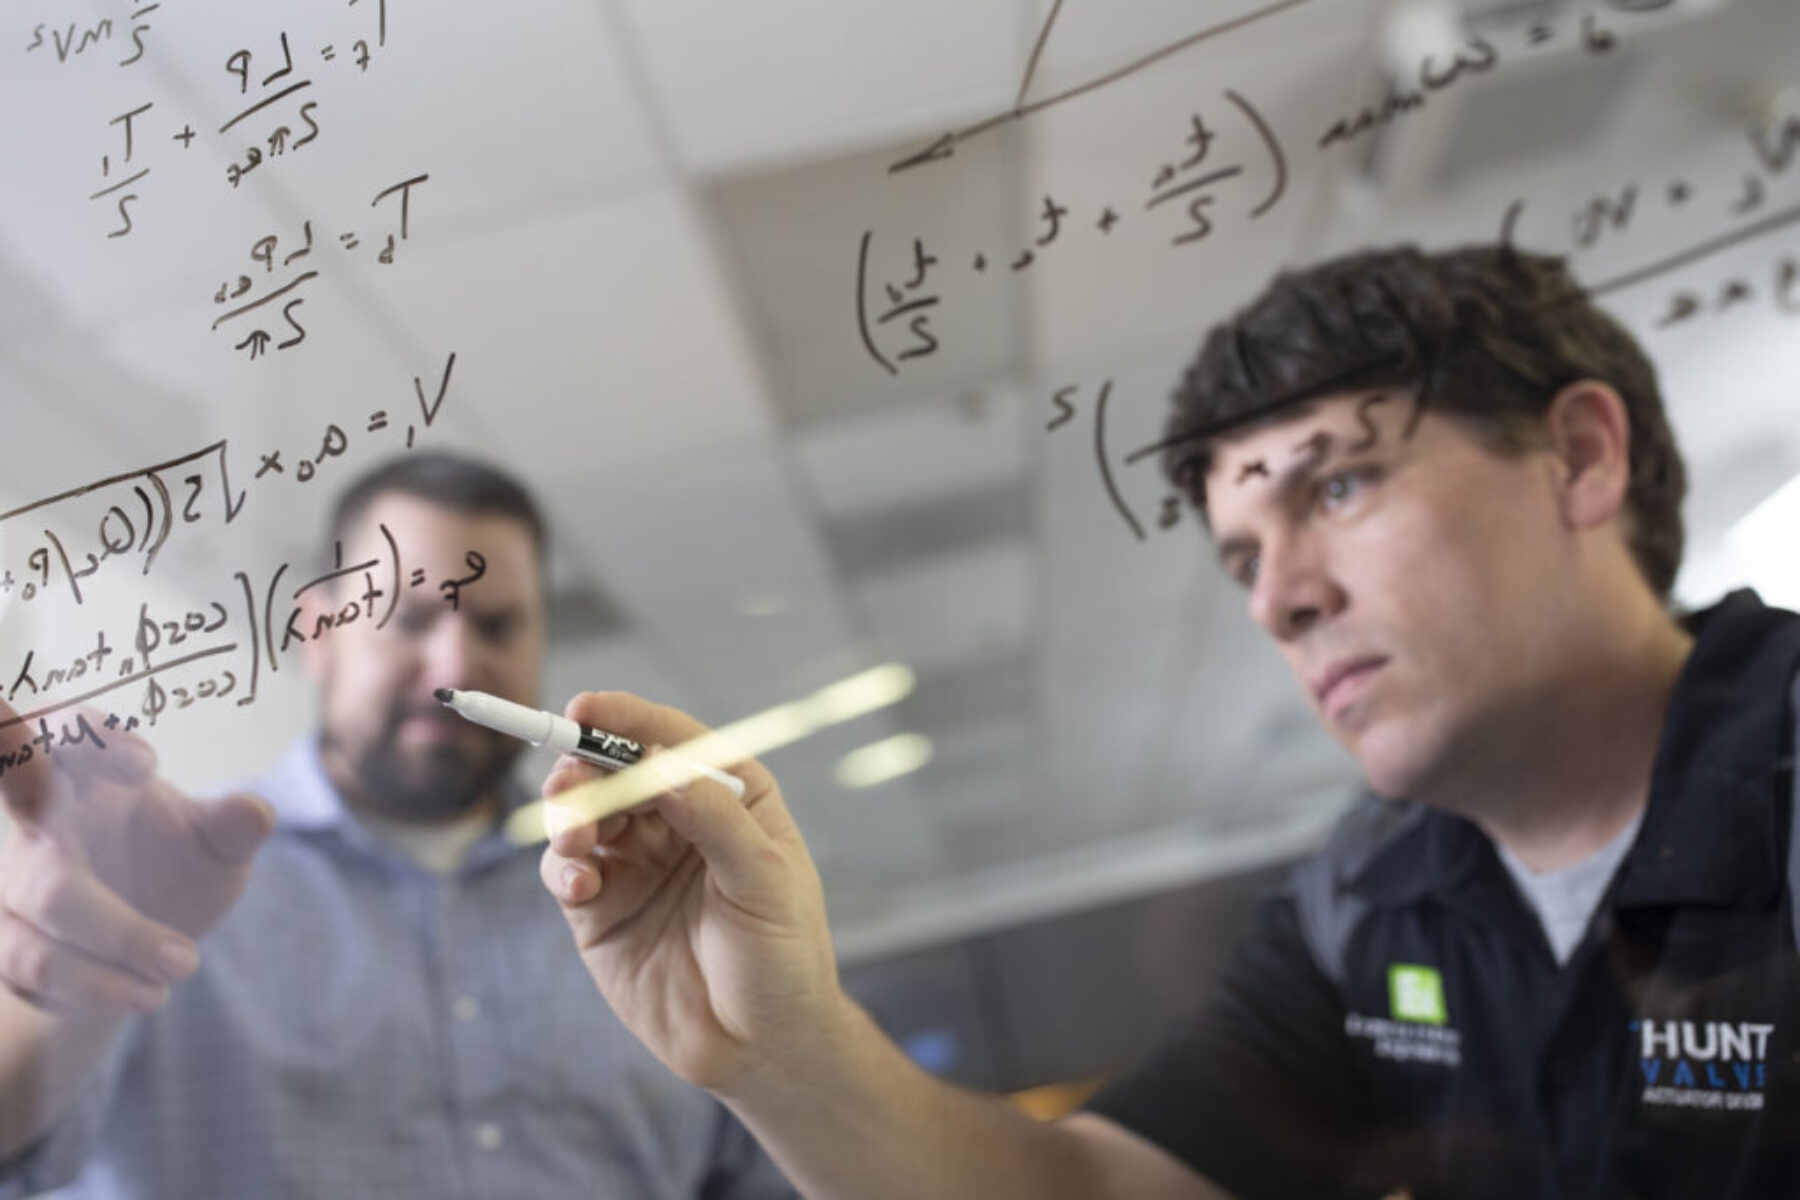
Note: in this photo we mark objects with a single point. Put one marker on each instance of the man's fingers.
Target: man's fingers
(611, 829)
(742, 858)
(232, 827)
(567, 772)
(592, 907)
(58, 978)
(655, 725)
(77, 744)
(28, 783)
(633, 717)
(106, 753)
(63, 901)
(572, 837)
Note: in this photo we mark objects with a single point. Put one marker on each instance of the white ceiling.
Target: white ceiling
(640, 238)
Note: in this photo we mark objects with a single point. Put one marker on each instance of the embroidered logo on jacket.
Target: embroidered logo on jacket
(1704, 1064)
(1416, 993)
(1417, 1028)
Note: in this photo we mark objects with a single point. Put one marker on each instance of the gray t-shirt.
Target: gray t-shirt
(1565, 899)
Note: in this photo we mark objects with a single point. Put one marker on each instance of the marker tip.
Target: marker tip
(444, 695)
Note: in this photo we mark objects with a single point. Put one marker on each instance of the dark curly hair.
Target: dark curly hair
(1487, 334)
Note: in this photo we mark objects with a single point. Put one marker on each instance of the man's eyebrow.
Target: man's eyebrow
(1313, 451)
(1310, 455)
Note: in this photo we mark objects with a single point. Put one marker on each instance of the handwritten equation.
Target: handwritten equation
(895, 305)
(266, 103)
(270, 258)
(1476, 56)
(169, 661)
(901, 288)
(1742, 203)
(1480, 55)
(903, 285)
(276, 113)
(130, 518)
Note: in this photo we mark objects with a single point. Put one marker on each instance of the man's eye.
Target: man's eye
(497, 629)
(1336, 490)
(1243, 572)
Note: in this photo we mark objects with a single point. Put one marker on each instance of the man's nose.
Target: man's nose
(449, 655)
(1294, 589)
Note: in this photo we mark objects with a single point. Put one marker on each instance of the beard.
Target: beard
(438, 782)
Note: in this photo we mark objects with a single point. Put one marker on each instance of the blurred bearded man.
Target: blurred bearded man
(349, 984)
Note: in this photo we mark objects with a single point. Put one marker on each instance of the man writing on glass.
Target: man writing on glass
(1552, 953)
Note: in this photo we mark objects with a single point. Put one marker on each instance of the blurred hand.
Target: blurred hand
(110, 875)
(700, 916)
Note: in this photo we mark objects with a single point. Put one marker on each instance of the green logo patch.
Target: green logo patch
(1416, 993)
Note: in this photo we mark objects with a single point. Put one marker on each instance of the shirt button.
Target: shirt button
(465, 1008)
(488, 1136)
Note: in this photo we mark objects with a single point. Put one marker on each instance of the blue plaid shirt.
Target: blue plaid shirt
(361, 1027)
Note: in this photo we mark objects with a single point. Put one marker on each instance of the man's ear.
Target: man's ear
(1590, 436)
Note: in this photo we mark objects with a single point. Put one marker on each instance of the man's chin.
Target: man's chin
(1391, 764)
(438, 786)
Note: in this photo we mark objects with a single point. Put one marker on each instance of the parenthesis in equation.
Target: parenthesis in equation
(862, 304)
(255, 642)
(1106, 475)
(1268, 137)
(394, 589)
(168, 522)
(149, 526)
(269, 618)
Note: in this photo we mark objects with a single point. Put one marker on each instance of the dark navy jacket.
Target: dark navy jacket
(1397, 1018)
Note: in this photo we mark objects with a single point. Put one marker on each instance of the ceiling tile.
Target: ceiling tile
(935, 613)
(824, 75)
(944, 524)
(903, 455)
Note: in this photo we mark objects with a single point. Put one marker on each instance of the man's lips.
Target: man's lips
(1340, 678)
(438, 723)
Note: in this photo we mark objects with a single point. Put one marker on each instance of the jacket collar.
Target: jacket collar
(1714, 830)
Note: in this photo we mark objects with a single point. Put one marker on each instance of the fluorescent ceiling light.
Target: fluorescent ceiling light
(722, 748)
(878, 762)
(763, 604)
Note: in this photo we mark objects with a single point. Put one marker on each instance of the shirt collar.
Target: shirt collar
(1712, 831)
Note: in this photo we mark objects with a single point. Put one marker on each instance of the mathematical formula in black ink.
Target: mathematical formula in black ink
(270, 85)
(894, 303)
(273, 275)
(1741, 201)
(1434, 76)
(168, 662)
(1772, 151)
(129, 518)
(900, 284)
